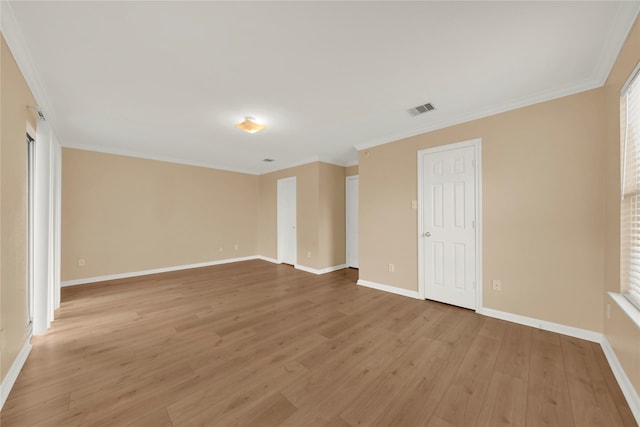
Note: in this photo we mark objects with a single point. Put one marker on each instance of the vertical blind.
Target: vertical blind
(630, 177)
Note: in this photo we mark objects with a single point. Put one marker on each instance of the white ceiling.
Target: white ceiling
(169, 80)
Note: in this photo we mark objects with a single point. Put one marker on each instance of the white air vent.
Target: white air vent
(268, 160)
(421, 109)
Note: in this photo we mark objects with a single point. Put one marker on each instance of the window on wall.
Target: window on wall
(630, 205)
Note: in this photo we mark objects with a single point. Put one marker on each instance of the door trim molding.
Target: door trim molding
(477, 146)
(279, 219)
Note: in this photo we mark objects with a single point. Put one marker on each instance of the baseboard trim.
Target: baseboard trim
(11, 377)
(154, 271)
(571, 331)
(390, 289)
(623, 380)
(265, 258)
(321, 271)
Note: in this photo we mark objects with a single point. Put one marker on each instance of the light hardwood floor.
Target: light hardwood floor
(258, 344)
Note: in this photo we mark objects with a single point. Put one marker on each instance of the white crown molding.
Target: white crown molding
(608, 56)
(12, 375)
(617, 36)
(168, 159)
(490, 111)
(15, 40)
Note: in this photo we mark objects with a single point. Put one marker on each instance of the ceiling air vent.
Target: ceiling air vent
(268, 160)
(421, 109)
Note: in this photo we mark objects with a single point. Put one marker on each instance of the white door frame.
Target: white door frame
(347, 197)
(279, 221)
(477, 146)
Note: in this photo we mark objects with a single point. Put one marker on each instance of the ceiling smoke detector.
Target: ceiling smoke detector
(268, 160)
(421, 109)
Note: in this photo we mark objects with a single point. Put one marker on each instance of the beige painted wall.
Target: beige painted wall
(14, 99)
(124, 214)
(316, 212)
(542, 202)
(332, 219)
(621, 332)
(351, 170)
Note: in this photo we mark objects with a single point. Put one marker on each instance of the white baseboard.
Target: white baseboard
(11, 377)
(155, 271)
(623, 380)
(391, 289)
(584, 334)
(321, 271)
(265, 258)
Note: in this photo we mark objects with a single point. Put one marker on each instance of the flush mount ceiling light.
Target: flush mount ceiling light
(249, 125)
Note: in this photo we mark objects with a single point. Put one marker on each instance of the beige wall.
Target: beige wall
(542, 203)
(621, 332)
(123, 214)
(351, 170)
(332, 219)
(319, 244)
(14, 99)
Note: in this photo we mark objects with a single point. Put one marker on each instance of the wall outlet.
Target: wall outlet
(414, 204)
(308, 254)
(81, 262)
(392, 268)
(221, 249)
(236, 247)
(497, 285)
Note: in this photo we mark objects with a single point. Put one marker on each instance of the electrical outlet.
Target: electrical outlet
(414, 204)
(309, 254)
(497, 285)
(81, 262)
(221, 249)
(392, 268)
(236, 247)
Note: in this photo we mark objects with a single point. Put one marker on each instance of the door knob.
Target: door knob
(427, 234)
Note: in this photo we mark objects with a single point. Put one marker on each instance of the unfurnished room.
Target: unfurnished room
(320, 213)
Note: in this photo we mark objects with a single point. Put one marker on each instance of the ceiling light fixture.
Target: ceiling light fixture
(250, 125)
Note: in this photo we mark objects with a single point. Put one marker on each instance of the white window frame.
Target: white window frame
(630, 198)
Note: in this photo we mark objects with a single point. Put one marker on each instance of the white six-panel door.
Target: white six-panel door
(448, 225)
(287, 234)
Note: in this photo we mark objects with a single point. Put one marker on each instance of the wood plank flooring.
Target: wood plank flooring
(258, 344)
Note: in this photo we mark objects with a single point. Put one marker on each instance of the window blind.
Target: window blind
(630, 181)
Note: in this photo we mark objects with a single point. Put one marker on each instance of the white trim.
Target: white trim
(626, 306)
(351, 163)
(264, 258)
(571, 331)
(15, 40)
(617, 37)
(629, 392)
(159, 158)
(321, 271)
(476, 144)
(153, 271)
(11, 377)
(390, 289)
